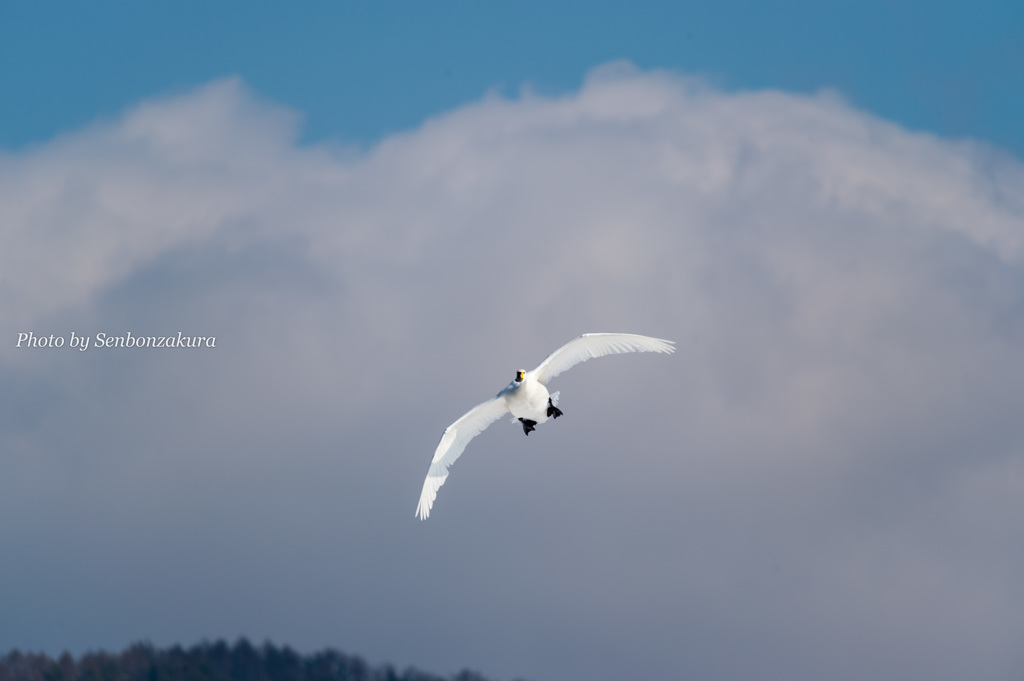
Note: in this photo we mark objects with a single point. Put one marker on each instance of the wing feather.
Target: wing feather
(591, 345)
(452, 444)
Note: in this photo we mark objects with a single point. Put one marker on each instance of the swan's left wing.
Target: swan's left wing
(591, 345)
(453, 443)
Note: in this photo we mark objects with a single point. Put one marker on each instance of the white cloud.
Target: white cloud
(821, 482)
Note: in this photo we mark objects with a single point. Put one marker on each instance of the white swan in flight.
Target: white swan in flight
(528, 399)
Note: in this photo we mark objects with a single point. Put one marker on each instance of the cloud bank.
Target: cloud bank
(825, 481)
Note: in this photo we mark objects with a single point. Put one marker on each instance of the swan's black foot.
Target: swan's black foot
(553, 411)
(528, 425)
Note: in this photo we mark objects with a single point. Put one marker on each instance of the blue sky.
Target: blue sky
(360, 70)
(821, 204)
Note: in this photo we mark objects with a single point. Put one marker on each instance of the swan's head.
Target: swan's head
(520, 375)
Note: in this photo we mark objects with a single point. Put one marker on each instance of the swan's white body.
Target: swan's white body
(527, 398)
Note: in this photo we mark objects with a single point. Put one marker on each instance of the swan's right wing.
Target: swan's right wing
(453, 443)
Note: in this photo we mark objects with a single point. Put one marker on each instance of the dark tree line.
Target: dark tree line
(216, 661)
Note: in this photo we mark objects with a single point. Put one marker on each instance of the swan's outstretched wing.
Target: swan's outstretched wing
(452, 444)
(591, 345)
